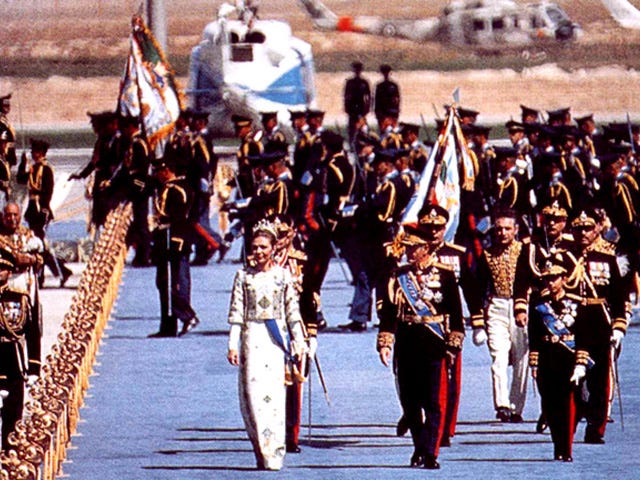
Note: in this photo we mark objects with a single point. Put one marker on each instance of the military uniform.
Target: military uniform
(18, 329)
(597, 278)
(387, 95)
(357, 98)
(171, 247)
(6, 126)
(250, 145)
(39, 179)
(104, 162)
(421, 319)
(556, 324)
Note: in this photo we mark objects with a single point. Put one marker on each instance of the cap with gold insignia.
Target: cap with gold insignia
(295, 114)
(554, 210)
(553, 269)
(433, 215)
(586, 218)
(512, 126)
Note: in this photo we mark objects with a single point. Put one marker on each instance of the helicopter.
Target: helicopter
(462, 22)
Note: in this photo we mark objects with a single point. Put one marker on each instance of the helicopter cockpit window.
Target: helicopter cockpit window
(555, 14)
(478, 25)
(497, 23)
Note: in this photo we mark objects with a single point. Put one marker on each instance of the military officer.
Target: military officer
(6, 126)
(528, 114)
(19, 330)
(421, 321)
(250, 145)
(271, 129)
(555, 326)
(357, 98)
(387, 96)
(104, 162)
(598, 278)
(171, 247)
(419, 152)
(39, 179)
(301, 147)
(5, 168)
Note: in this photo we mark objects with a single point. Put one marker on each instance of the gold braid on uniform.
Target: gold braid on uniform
(533, 359)
(582, 357)
(503, 269)
(385, 339)
(13, 325)
(396, 247)
(454, 340)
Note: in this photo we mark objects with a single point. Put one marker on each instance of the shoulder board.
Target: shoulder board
(567, 236)
(455, 246)
(573, 296)
(444, 266)
(298, 254)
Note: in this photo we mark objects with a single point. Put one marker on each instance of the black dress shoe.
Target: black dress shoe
(430, 463)
(592, 436)
(417, 460)
(542, 424)
(515, 418)
(161, 335)
(567, 459)
(188, 326)
(293, 448)
(402, 427)
(445, 441)
(65, 276)
(354, 326)
(503, 414)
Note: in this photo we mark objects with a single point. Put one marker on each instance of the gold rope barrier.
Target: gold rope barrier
(39, 442)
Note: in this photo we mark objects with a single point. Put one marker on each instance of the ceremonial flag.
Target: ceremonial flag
(148, 88)
(450, 167)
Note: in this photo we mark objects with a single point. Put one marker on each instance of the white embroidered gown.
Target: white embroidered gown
(256, 297)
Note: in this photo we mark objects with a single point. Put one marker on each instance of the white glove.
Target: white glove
(312, 343)
(31, 380)
(579, 372)
(479, 336)
(616, 339)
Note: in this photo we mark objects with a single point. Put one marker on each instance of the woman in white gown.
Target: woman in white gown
(266, 324)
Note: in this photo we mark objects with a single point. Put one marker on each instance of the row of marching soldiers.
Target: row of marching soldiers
(545, 280)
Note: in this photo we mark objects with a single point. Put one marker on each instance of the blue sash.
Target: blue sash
(274, 331)
(418, 305)
(559, 329)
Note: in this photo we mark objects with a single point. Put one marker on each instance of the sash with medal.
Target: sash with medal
(413, 295)
(558, 329)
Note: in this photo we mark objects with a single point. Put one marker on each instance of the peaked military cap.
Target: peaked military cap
(7, 260)
(553, 268)
(505, 152)
(241, 120)
(409, 128)
(554, 210)
(467, 112)
(100, 118)
(332, 141)
(39, 145)
(273, 151)
(357, 65)
(513, 126)
(384, 68)
(314, 113)
(433, 215)
(586, 218)
(560, 113)
(527, 111)
(584, 119)
(266, 116)
(297, 114)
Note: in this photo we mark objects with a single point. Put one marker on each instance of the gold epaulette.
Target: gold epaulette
(567, 236)
(385, 339)
(298, 255)
(573, 296)
(455, 339)
(455, 246)
(533, 359)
